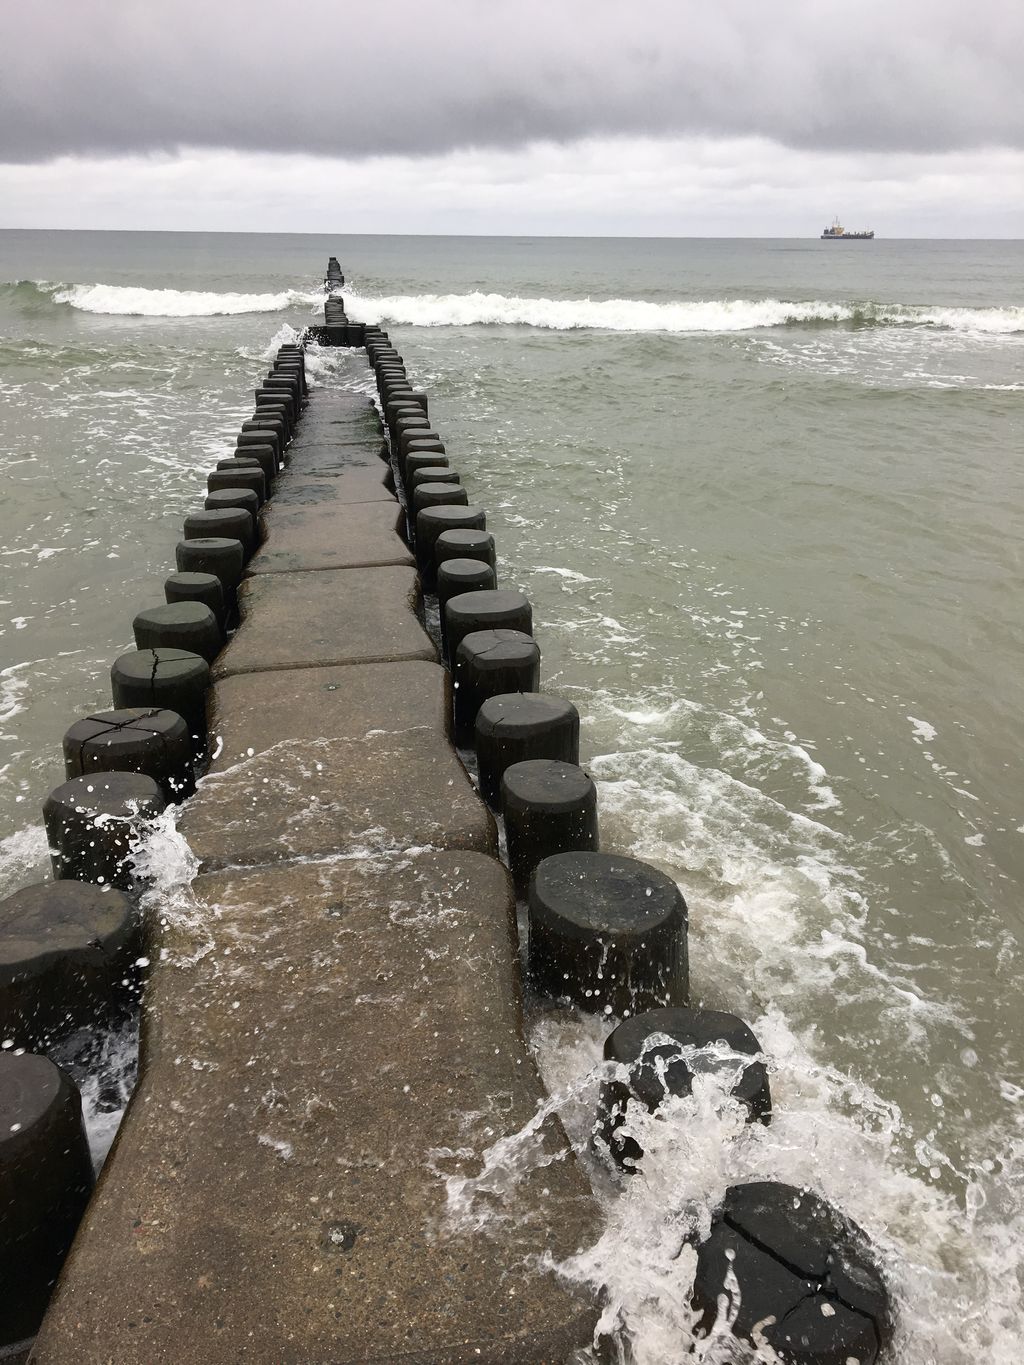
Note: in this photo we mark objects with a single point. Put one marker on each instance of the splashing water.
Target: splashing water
(104, 1064)
(323, 363)
(955, 1303)
(24, 858)
(166, 865)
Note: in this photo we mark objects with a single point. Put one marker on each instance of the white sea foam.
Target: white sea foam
(639, 315)
(569, 575)
(130, 301)
(922, 729)
(781, 923)
(23, 858)
(283, 1149)
(945, 1265)
(830, 1133)
(168, 866)
(14, 683)
(478, 308)
(105, 1065)
(322, 362)
(325, 363)
(286, 335)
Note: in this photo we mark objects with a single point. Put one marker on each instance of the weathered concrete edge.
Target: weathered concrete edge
(333, 568)
(271, 559)
(423, 648)
(301, 665)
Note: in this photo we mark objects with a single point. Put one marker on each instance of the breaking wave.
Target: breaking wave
(175, 303)
(638, 315)
(480, 309)
(133, 301)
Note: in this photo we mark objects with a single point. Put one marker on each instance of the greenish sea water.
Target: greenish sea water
(767, 499)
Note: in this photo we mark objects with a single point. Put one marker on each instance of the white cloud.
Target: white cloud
(596, 186)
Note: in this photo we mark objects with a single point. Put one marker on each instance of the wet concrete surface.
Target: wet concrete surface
(332, 1035)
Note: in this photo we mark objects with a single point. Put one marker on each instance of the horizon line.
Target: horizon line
(500, 236)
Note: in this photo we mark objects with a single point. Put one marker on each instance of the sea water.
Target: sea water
(767, 500)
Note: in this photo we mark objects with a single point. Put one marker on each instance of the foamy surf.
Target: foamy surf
(830, 1133)
(496, 310)
(104, 1064)
(639, 315)
(130, 301)
(323, 363)
(24, 857)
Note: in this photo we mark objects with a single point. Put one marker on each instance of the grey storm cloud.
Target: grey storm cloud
(357, 80)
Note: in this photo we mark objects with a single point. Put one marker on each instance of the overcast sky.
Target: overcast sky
(666, 117)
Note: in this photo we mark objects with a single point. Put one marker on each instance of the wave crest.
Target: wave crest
(512, 310)
(34, 296)
(638, 315)
(130, 301)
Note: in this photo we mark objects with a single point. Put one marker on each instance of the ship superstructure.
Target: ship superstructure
(837, 233)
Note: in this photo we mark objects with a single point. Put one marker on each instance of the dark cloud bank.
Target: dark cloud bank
(124, 76)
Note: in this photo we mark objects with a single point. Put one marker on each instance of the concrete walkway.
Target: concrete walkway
(353, 1037)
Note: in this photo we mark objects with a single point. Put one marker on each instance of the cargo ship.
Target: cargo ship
(837, 233)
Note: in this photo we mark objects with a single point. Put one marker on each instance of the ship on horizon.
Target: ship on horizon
(837, 233)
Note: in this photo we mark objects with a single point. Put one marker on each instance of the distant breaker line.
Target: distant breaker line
(129, 301)
(638, 315)
(509, 310)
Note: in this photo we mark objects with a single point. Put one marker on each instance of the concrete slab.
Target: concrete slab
(286, 1185)
(320, 456)
(330, 416)
(306, 620)
(327, 534)
(338, 457)
(327, 436)
(342, 486)
(317, 455)
(343, 411)
(326, 761)
(335, 402)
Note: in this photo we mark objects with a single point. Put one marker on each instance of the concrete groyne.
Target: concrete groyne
(348, 1043)
(353, 1036)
